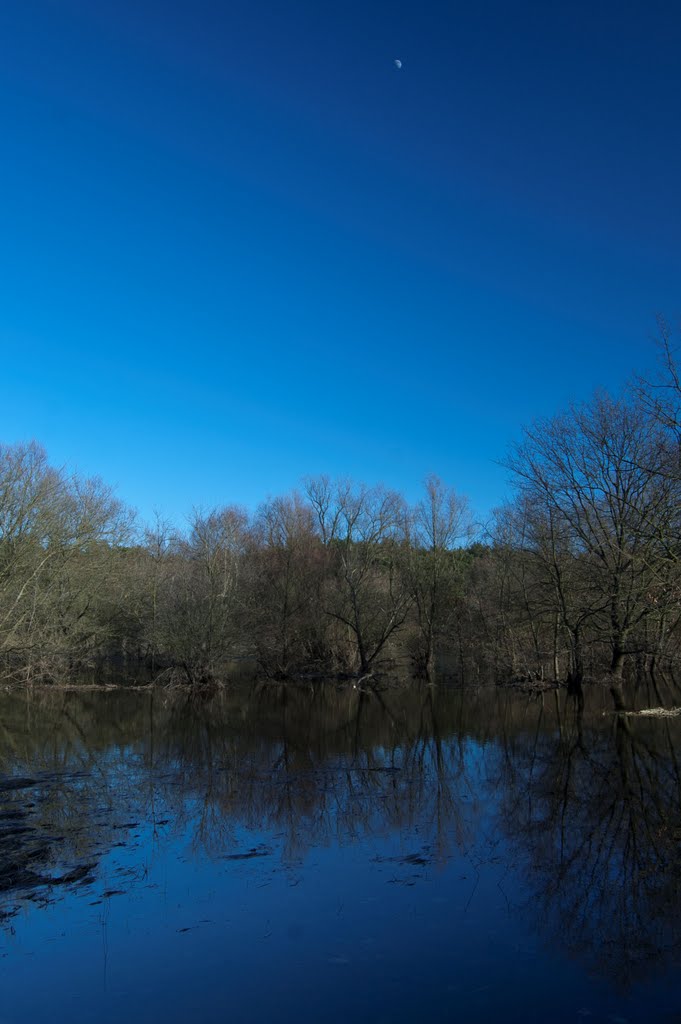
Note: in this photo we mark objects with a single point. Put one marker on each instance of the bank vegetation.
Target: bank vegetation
(578, 574)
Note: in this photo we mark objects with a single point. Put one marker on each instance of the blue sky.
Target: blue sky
(238, 245)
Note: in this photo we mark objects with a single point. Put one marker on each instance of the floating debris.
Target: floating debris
(647, 712)
(660, 712)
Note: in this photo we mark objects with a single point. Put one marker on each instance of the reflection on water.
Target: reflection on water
(321, 853)
(594, 817)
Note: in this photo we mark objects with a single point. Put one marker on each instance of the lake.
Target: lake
(330, 854)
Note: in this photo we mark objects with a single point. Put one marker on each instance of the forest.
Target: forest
(576, 576)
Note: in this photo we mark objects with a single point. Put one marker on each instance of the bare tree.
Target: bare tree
(602, 511)
(202, 622)
(366, 591)
(437, 524)
(287, 564)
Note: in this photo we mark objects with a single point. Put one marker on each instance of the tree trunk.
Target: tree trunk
(617, 663)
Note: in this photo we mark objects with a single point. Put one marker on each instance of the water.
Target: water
(334, 855)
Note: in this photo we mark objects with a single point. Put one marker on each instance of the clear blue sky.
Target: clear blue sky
(238, 245)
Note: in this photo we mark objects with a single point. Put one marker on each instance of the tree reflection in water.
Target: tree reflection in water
(582, 807)
(592, 811)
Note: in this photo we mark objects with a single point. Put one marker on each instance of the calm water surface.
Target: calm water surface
(336, 855)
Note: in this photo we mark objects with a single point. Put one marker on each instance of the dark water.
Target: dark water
(284, 855)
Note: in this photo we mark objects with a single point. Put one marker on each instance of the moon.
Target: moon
(398, 64)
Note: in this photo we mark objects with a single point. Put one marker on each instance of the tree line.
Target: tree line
(578, 573)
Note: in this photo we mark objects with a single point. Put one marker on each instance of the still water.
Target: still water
(335, 855)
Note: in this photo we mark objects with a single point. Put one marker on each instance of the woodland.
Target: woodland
(576, 576)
